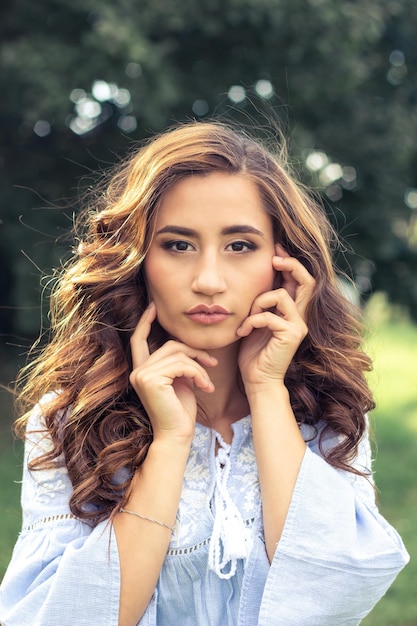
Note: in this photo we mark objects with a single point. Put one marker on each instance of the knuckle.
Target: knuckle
(139, 378)
(281, 293)
(299, 331)
(133, 378)
(134, 338)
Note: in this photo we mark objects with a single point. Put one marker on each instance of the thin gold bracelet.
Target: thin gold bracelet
(148, 519)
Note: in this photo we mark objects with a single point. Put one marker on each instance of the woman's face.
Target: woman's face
(211, 256)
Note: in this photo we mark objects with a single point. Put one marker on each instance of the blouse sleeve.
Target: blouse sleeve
(62, 571)
(337, 555)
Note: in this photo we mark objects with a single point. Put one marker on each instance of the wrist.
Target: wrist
(276, 389)
(267, 402)
(167, 446)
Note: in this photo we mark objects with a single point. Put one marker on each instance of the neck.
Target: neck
(228, 402)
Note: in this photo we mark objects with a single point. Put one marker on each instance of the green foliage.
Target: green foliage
(342, 77)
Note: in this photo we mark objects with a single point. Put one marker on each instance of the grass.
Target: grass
(393, 346)
(394, 349)
(10, 461)
(10, 471)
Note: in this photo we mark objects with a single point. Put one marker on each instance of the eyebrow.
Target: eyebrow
(229, 230)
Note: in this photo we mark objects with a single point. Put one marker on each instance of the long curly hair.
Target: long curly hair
(96, 422)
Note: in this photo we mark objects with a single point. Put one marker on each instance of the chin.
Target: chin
(209, 343)
(208, 338)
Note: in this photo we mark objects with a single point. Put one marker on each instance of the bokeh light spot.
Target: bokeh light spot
(101, 90)
(331, 173)
(334, 192)
(200, 107)
(410, 198)
(42, 128)
(77, 94)
(237, 94)
(88, 108)
(397, 58)
(81, 125)
(264, 88)
(121, 98)
(127, 123)
(133, 70)
(316, 160)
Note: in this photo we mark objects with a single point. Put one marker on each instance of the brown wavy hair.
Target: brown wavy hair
(96, 421)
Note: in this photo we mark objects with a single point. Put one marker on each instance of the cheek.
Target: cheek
(158, 292)
(256, 283)
(154, 276)
(264, 279)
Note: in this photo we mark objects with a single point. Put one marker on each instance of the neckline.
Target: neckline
(239, 428)
(236, 426)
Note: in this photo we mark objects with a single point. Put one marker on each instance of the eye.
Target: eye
(177, 246)
(241, 246)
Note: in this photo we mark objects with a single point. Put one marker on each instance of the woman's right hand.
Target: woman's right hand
(165, 379)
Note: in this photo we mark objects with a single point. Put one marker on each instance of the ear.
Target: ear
(278, 279)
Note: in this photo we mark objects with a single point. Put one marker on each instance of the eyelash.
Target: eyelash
(248, 244)
(169, 245)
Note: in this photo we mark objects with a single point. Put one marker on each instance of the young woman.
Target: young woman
(198, 452)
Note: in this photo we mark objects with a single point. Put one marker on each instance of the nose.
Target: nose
(208, 278)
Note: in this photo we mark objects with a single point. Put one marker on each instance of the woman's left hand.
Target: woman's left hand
(276, 325)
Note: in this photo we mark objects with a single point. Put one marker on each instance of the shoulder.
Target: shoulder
(38, 440)
(321, 440)
(46, 488)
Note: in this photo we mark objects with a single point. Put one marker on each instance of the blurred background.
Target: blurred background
(82, 81)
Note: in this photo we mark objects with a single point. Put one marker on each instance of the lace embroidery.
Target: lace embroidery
(202, 507)
(48, 484)
(189, 550)
(195, 515)
(48, 520)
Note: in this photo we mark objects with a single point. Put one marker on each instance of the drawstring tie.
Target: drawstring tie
(231, 539)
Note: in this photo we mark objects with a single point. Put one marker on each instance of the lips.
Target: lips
(205, 314)
(209, 309)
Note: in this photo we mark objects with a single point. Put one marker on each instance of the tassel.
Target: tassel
(236, 539)
(231, 539)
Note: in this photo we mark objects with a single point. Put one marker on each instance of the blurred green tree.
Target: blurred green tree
(81, 80)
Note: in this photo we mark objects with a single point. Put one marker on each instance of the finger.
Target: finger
(174, 366)
(261, 320)
(278, 301)
(297, 280)
(281, 251)
(139, 340)
(279, 326)
(173, 347)
(192, 371)
(294, 270)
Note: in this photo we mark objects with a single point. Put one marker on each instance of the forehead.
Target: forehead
(217, 197)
